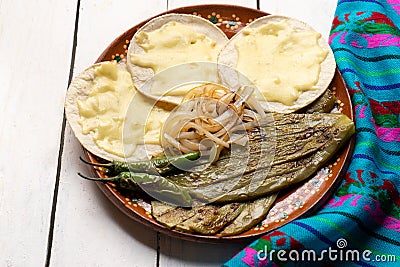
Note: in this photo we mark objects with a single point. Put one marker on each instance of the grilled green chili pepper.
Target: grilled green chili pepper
(159, 165)
(154, 185)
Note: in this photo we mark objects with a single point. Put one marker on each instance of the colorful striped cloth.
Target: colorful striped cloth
(360, 225)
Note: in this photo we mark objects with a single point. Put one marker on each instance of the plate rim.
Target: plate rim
(112, 195)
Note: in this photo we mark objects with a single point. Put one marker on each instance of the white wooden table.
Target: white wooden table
(48, 216)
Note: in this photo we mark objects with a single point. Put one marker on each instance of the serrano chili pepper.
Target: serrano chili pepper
(154, 185)
(160, 165)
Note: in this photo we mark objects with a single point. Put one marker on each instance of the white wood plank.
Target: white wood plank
(102, 21)
(180, 3)
(319, 14)
(179, 253)
(90, 230)
(35, 53)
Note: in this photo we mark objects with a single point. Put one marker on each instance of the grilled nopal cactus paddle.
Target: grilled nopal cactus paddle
(300, 152)
(224, 220)
(170, 215)
(253, 212)
(303, 143)
(209, 219)
(203, 219)
(324, 103)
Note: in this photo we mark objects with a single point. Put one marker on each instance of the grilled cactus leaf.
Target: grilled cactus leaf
(303, 143)
(170, 215)
(300, 159)
(159, 208)
(232, 218)
(210, 219)
(204, 219)
(251, 215)
(323, 104)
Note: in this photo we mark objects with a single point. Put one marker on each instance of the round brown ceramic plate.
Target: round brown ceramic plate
(299, 200)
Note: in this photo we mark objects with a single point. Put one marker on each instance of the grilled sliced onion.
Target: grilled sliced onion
(211, 112)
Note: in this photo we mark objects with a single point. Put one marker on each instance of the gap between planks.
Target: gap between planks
(61, 148)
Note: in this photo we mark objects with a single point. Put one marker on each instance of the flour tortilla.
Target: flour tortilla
(79, 89)
(229, 57)
(141, 75)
